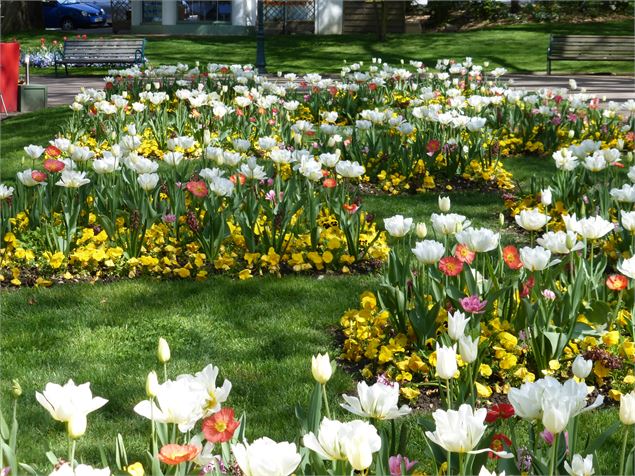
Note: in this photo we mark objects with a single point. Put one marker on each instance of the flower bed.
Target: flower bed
(192, 430)
(262, 177)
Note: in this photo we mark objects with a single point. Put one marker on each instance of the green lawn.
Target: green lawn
(261, 333)
(519, 48)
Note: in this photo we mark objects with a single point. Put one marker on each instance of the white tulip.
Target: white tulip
(531, 219)
(321, 368)
(173, 158)
(5, 191)
(448, 224)
(560, 242)
(377, 401)
(360, 441)
(252, 170)
(34, 151)
(444, 204)
(148, 182)
(458, 431)
(535, 259)
(106, 165)
(398, 226)
(582, 367)
(468, 348)
(628, 220)
(480, 240)
(265, 457)
(72, 179)
(446, 362)
(76, 426)
(546, 196)
(177, 401)
(594, 227)
(328, 442)
(152, 384)
(354, 441)
(163, 351)
(580, 466)
(627, 267)
(79, 470)
(565, 160)
(428, 251)
(26, 178)
(627, 408)
(65, 402)
(421, 230)
(213, 396)
(349, 169)
(554, 403)
(456, 324)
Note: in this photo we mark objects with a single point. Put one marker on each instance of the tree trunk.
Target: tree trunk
(514, 6)
(381, 14)
(20, 16)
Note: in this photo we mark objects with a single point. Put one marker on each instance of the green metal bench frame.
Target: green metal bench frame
(590, 48)
(107, 51)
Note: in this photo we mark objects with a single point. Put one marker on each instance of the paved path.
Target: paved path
(62, 89)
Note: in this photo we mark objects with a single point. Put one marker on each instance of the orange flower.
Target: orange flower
(52, 151)
(220, 427)
(53, 165)
(350, 208)
(512, 257)
(239, 177)
(197, 188)
(463, 254)
(329, 183)
(450, 266)
(616, 282)
(175, 454)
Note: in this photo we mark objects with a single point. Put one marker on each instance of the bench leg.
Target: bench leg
(549, 67)
(56, 69)
(66, 68)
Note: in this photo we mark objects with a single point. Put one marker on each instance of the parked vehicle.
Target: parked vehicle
(106, 6)
(71, 14)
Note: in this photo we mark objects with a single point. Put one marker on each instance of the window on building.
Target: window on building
(151, 12)
(194, 11)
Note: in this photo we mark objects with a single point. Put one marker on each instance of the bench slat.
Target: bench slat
(102, 51)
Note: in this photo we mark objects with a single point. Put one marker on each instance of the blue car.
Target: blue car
(72, 14)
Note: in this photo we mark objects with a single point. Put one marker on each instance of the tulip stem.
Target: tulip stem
(165, 371)
(623, 458)
(71, 458)
(554, 455)
(326, 402)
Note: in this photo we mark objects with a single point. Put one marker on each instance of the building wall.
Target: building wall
(361, 17)
(329, 15)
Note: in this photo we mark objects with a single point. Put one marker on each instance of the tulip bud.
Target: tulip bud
(321, 368)
(571, 134)
(148, 87)
(444, 204)
(627, 409)
(77, 426)
(16, 389)
(546, 197)
(501, 219)
(152, 384)
(582, 367)
(421, 230)
(163, 351)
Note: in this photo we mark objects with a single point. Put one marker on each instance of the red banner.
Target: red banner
(9, 73)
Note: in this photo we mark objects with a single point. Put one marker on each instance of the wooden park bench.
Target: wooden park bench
(105, 51)
(590, 48)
